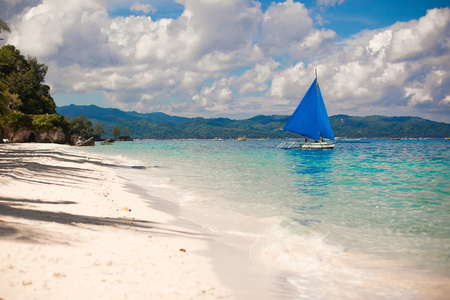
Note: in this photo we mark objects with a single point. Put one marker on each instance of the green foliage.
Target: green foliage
(81, 126)
(3, 103)
(126, 130)
(161, 126)
(116, 132)
(47, 122)
(12, 101)
(98, 129)
(387, 127)
(17, 120)
(25, 78)
(36, 122)
(4, 26)
(24, 100)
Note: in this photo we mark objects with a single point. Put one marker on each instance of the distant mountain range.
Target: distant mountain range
(158, 125)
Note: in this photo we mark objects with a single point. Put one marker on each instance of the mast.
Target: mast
(317, 92)
(317, 83)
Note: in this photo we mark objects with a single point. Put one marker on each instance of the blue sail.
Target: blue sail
(310, 118)
(322, 118)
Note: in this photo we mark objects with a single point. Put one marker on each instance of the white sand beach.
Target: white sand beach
(70, 230)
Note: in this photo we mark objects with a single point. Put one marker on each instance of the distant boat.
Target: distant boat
(310, 119)
(395, 139)
(242, 138)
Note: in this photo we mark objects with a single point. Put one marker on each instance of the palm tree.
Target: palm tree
(4, 26)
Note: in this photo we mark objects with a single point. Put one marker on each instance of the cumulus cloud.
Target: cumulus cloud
(285, 24)
(53, 26)
(231, 57)
(403, 66)
(146, 8)
(255, 80)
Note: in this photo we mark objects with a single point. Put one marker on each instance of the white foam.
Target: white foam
(320, 270)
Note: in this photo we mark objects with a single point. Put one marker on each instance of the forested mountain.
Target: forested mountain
(94, 112)
(163, 126)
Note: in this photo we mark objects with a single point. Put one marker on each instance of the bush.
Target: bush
(45, 122)
(81, 126)
(17, 119)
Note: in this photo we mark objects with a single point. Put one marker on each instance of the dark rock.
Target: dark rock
(124, 138)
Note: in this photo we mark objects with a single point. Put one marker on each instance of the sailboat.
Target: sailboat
(310, 119)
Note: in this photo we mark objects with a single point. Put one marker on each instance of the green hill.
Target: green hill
(387, 127)
(162, 126)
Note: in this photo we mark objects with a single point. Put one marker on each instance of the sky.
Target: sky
(240, 58)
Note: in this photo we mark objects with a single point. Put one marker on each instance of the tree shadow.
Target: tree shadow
(19, 165)
(30, 166)
(13, 207)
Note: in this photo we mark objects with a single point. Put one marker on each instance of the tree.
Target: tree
(39, 70)
(116, 132)
(98, 129)
(25, 78)
(3, 104)
(4, 26)
(81, 126)
(126, 130)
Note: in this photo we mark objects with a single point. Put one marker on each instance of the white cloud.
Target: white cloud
(52, 26)
(256, 79)
(231, 57)
(421, 91)
(285, 24)
(146, 8)
(420, 38)
(290, 83)
(399, 68)
(446, 100)
(216, 97)
(329, 2)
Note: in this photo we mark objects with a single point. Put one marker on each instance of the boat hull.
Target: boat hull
(307, 145)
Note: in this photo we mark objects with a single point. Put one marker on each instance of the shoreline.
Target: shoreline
(71, 228)
(65, 233)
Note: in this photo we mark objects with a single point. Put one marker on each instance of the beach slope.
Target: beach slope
(70, 229)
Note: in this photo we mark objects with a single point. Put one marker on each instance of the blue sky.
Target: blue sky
(352, 16)
(240, 58)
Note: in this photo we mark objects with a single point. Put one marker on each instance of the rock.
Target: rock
(108, 141)
(27, 135)
(80, 141)
(21, 135)
(125, 138)
(56, 136)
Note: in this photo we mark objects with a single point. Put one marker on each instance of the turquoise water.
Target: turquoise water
(327, 216)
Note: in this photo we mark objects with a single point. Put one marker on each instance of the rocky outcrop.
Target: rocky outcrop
(124, 138)
(108, 141)
(27, 135)
(81, 141)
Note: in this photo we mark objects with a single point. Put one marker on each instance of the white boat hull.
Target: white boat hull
(307, 145)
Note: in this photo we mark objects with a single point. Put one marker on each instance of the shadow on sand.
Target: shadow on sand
(25, 165)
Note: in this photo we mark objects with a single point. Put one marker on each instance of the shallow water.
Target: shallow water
(348, 222)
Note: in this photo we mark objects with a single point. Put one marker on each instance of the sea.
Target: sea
(365, 220)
